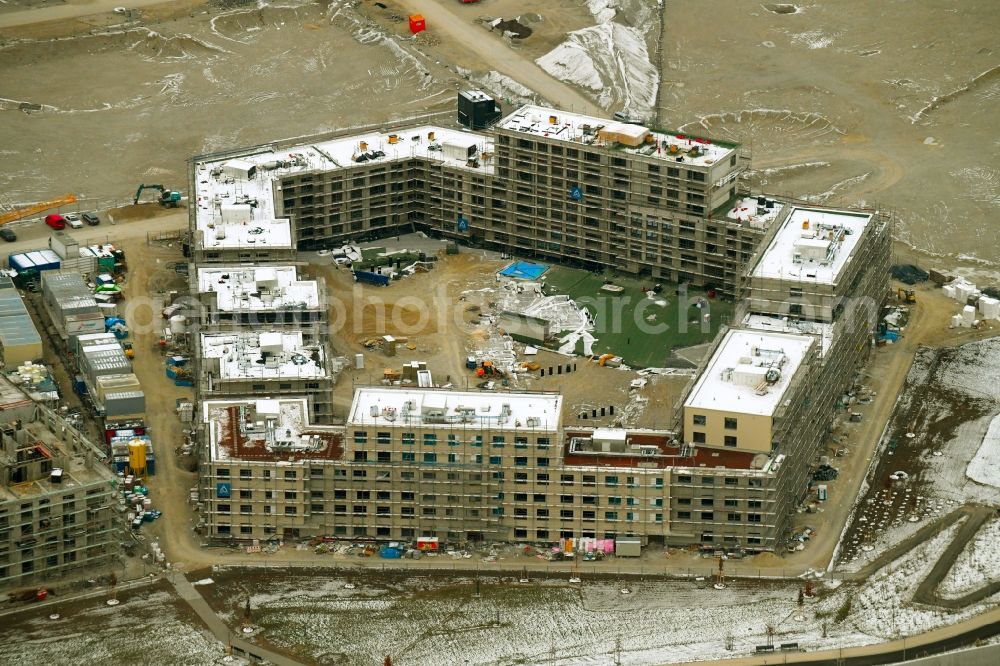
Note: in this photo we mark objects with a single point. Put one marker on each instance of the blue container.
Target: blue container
(371, 278)
(390, 553)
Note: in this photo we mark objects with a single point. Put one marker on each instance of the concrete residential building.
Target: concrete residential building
(275, 296)
(499, 466)
(817, 260)
(541, 182)
(232, 214)
(813, 295)
(751, 398)
(266, 363)
(57, 501)
(464, 466)
(427, 463)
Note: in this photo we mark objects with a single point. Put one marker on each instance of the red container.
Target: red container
(417, 23)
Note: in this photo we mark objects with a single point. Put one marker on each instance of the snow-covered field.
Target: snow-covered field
(611, 60)
(419, 619)
(985, 466)
(949, 406)
(148, 628)
(978, 564)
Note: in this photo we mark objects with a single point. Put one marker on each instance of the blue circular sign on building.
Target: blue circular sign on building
(575, 193)
(463, 224)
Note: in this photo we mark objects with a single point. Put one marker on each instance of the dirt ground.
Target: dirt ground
(137, 100)
(836, 103)
(885, 374)
(439, 314)
(889, 104)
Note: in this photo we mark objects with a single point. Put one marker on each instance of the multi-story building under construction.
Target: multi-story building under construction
(542, 182)
(412, 462)
(57, 499)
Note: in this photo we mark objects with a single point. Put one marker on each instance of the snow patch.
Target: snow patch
(610, 59)
(813, 39)
(985, 466)
(977, 565)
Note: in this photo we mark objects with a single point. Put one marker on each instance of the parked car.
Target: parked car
(55, 221)
(75, 223)
(91, 219)
(8, 235)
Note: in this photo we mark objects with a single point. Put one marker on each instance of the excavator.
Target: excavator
(32, 209)
(168, 198)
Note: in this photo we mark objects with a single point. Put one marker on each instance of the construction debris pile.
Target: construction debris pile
(560, 311)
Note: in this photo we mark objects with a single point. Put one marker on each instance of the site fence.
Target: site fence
(603, 570)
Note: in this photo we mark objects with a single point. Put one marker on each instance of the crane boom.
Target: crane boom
(31, 209)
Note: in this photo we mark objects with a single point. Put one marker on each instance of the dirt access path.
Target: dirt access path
(886, 374)
(73, 10)
(495, 54)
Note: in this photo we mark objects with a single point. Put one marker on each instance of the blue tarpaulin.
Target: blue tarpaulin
(525, 270)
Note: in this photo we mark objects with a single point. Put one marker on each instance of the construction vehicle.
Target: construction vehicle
(608, 360)
(168, 198)
(129, 350)
(906, 295)
(488, 369)
(41, 206)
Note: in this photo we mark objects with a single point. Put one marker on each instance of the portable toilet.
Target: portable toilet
(417, 23)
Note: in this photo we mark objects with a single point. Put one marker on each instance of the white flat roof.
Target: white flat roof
(812, 245)
(736, 378)
(263, 355)
(388, 407)
(578, 128)
(749, 211)
(775, 324)
(236, 212)
(222, 184)
(261, 288)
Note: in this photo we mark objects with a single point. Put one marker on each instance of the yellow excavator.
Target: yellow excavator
(32, 209)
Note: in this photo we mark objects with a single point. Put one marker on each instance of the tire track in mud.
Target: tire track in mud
(939, 101)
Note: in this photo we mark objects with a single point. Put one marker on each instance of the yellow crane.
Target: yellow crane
(31, 209)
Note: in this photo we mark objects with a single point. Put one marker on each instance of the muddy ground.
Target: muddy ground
(451, 328)
(840, 102)
(851, 102)
(131, 103)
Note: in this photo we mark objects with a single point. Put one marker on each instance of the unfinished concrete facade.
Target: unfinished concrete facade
(234, 297)
(267, 363)
(57, 514)
(412, 463)
(819, 264)
(820, 276)
(542, 183)
(428, 463)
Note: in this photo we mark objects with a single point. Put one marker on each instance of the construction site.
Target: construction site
(486, 344)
